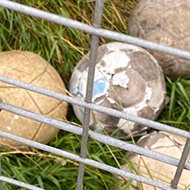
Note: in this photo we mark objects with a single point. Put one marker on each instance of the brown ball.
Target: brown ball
(165, 143)
(33, 69)
(167, 23)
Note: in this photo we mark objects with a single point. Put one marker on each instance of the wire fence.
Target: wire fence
(96, 31)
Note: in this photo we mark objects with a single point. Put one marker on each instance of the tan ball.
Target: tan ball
(165, 143)
(165, 22)
(33, 69)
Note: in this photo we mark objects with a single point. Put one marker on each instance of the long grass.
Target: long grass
(63, 48)
(177, 113)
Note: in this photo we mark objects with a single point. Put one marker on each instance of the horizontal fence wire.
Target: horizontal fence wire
(86, 161)
(102, 109)
(19, 183)
(89, 106)
(92, 30)
(93, 135)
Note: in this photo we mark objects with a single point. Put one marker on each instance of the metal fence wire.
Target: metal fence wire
(96, 31)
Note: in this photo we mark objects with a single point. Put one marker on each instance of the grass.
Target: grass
(63, 48)
(177, 112)
(52, 172)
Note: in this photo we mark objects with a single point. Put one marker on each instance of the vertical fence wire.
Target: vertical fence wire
(1, 182)
(181, 164)
(89, 89)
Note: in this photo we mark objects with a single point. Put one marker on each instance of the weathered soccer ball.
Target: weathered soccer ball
(165, 143)
(33, 69)
(165, 22)
(127, 78)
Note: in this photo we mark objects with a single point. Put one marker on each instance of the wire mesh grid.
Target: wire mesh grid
(96, 31)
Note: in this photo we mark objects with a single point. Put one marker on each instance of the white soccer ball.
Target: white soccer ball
(127, 78)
